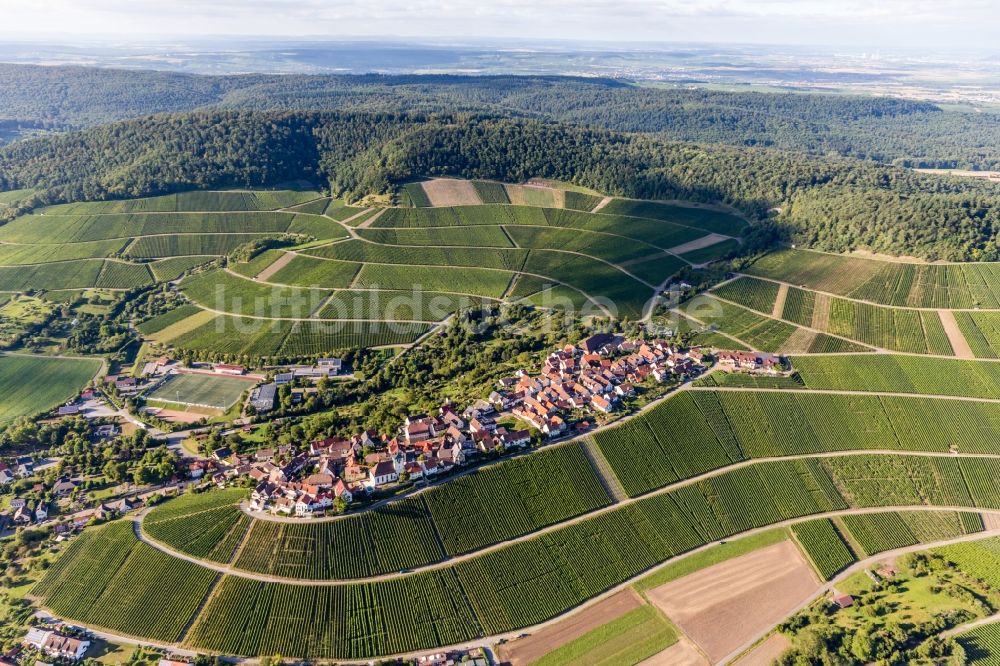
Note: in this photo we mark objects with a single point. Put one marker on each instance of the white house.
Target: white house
(382, 474)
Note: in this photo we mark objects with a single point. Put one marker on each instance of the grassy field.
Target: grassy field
(203, 390)
(30, 385)
(627, 640)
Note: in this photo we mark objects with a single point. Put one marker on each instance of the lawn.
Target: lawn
(215, 391)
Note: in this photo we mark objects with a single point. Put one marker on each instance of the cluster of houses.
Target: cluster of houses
(594, 376)
(338, 468)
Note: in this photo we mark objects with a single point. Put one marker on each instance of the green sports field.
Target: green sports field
(217, 391)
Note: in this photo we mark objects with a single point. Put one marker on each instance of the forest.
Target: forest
(827, 203)
(896, 131)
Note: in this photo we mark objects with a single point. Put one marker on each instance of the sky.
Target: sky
(934, 24)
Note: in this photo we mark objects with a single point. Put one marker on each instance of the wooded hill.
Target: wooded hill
(828, 203)
(888, 130)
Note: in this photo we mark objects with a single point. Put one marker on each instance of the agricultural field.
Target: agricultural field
(629, 639)
(110, 579)
(700, 218)
(761, 332)
(42, 229)
(198, 201)
(948, 286)
(389, 539)
(982, 645)
(980, 559)
(515, 585)
(700, 430)
(209, 525)
(900, 374)
(491, 192)
(160, 322)
(282, 338)
(201, 390)
(33, 384)
(913, 331)
(878, 532)
(981, 331)
(751, 293)
(824, 546)
(218, 290)
(501, 501)
(514, 498)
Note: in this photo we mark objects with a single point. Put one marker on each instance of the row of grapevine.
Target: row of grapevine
(396, 536)
(825, 546)
(751, 293)
(515, 497)
(109, 579)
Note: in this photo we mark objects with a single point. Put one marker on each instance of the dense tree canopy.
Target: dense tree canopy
(826, 202)
(903, 132)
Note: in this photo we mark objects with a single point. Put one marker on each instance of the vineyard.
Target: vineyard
(878, 532)
(42, 229)
(700, 218)
(969, 285)
(109, 579)
(513, 586)
(514, 498)
(982, 645)
(209, 525)
(397, 536)
(497, 503)
(900, 374)
(759, 331)
(697, 431)
(979, 559)
(825, 546)
(53, 381)
(751, 293)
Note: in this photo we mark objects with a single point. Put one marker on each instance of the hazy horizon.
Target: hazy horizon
(890, 24)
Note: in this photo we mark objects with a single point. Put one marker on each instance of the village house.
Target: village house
(749, 361)
(382, 474)
(24, 467)
(57, 645)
